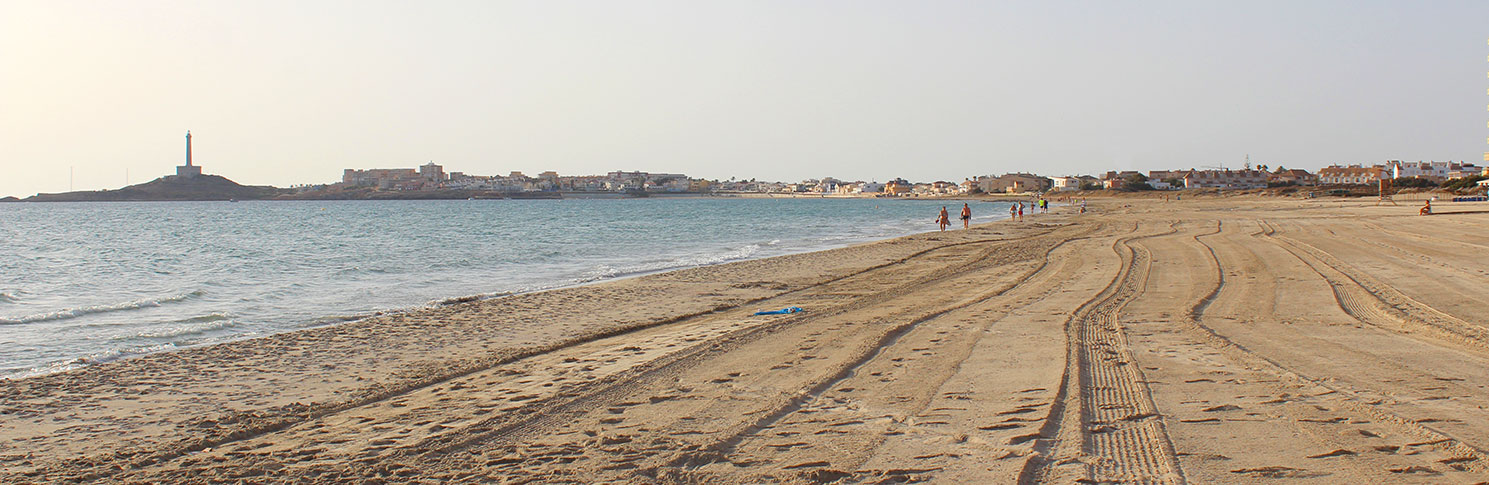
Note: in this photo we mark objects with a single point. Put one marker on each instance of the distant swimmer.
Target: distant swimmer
(944, 219)
(966, 216)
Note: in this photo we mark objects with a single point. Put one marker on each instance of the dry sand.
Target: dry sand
(1220, 340)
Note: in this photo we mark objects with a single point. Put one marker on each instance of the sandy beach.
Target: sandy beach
(1210, 340)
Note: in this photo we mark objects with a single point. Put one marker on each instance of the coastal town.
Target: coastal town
(432, 181)
(433, 177)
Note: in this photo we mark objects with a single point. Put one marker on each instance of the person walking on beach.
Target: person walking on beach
(966, 216)
(944, 219)
(1013, 212)
(1021, 211)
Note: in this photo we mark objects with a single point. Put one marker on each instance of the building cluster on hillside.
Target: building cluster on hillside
(1246, 178)
(432, 176)
(1436, 172)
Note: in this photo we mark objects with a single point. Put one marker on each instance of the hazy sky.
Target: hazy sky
(293, 92)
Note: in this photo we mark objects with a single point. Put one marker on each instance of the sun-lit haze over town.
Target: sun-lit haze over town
(97, 95)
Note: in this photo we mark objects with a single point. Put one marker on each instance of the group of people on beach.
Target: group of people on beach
(1015, 212)
(945, 218)
(1016, 209)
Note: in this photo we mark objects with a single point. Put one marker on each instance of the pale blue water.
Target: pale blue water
(91, 282)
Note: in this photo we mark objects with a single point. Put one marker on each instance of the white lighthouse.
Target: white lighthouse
(188, 170)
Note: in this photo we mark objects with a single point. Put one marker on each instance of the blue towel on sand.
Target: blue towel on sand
(781, 311)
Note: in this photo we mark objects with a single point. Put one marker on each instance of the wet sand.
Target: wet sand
(1216, 340)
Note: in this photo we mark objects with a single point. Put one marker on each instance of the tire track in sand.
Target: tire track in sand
(1380, 305)
(538, 416)
(93, 468)
(853, 447)
(1462, 455)
(1105, 426)
(617, 388)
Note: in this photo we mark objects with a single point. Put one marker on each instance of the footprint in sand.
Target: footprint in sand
(1324, 421)
(1023, 438)
(1279, 472)
(786, 446)
(1456, 463)
(999, 427)
(1414, 470)
(1331, 454)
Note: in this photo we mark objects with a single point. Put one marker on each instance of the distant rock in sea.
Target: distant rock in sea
(168, 188)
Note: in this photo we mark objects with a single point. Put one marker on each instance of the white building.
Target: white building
(1351, 175)
(1436, 171)
(1066, 183)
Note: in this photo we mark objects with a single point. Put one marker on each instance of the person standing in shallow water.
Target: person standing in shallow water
(966, 216)
(944, 219)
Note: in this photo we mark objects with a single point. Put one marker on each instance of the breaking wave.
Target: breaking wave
(604, 272)
(200, 325)
(117, 307)
(95, 358)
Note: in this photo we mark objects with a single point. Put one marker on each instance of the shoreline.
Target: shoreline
(1152, 338)
(118, 354)
(204, 360)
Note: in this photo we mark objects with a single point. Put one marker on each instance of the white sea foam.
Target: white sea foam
(116, 354)
(91, 359)
(192, 326)
(41, 371)
(603, 272)
(117, 307)
(335, 319)
(468, 298)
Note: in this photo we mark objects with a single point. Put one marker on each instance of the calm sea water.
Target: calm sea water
(90, 282)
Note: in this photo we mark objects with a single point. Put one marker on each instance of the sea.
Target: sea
(83, 283)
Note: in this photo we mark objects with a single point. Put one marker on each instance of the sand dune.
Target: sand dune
(1222, 340)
